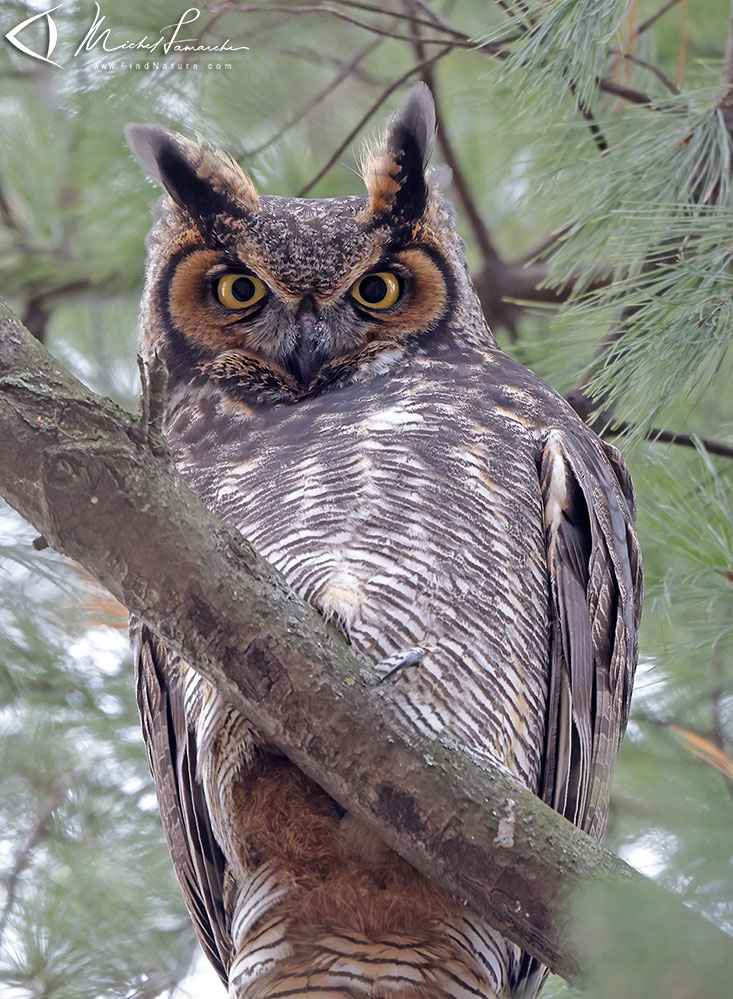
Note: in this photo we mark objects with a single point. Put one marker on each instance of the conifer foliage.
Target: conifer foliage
(589, 151)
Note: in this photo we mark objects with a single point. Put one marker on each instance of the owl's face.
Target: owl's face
(286, 297)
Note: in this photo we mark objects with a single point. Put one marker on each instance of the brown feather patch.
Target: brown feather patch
(427, 301)
(221, 172)
(383, 177)
(341, 885)
(194, 310)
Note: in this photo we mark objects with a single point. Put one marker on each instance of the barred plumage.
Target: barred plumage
(473, 539)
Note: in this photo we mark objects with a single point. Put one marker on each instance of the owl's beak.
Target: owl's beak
(304, 361)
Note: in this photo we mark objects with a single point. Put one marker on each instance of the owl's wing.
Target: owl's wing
(198, 861)
(595, 584)
(594, 569)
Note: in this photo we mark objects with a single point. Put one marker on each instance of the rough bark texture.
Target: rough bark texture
(75, 466)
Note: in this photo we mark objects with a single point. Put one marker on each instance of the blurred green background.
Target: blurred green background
(88, 901)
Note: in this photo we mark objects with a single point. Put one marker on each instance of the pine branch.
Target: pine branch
(71, 463)
(24, 858)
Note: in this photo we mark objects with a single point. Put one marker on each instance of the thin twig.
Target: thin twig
(460, 184)
(325, 60)
(314, 101)
(462, 189)
(625, 93)
(198, 38)
(438, 19)
(400, 15)
(593, 126)
(459, 42)
(539, 250)
(368, 115)
(651, 68)
(645, 25)
(683, 44)
(506, 8)
(726, 75)
(261, 27)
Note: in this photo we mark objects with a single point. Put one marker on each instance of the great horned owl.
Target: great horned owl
(335, 393)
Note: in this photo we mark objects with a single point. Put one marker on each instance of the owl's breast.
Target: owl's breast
(416, 522)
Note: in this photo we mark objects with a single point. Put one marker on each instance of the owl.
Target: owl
(335, 394)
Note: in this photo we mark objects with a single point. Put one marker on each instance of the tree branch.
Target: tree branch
(659, 436)
(73, 464)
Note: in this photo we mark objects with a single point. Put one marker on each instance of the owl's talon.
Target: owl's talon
(154, 381)
(389, 667)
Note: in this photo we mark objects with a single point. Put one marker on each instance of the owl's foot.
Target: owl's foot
(154, 379)
(387, 669)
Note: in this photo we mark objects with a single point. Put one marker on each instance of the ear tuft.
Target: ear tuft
(198, 177)
(415, 118)
(394, 171)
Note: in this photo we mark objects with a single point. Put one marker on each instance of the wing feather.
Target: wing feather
(594, 568)
(595, 583)
(198, 861)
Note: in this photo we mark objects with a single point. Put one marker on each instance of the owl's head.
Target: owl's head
(285, 297)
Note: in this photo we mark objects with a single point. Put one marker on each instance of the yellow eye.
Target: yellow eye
(379, 290)
(239, 291)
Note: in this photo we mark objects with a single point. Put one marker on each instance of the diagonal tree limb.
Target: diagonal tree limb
(72, 463)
